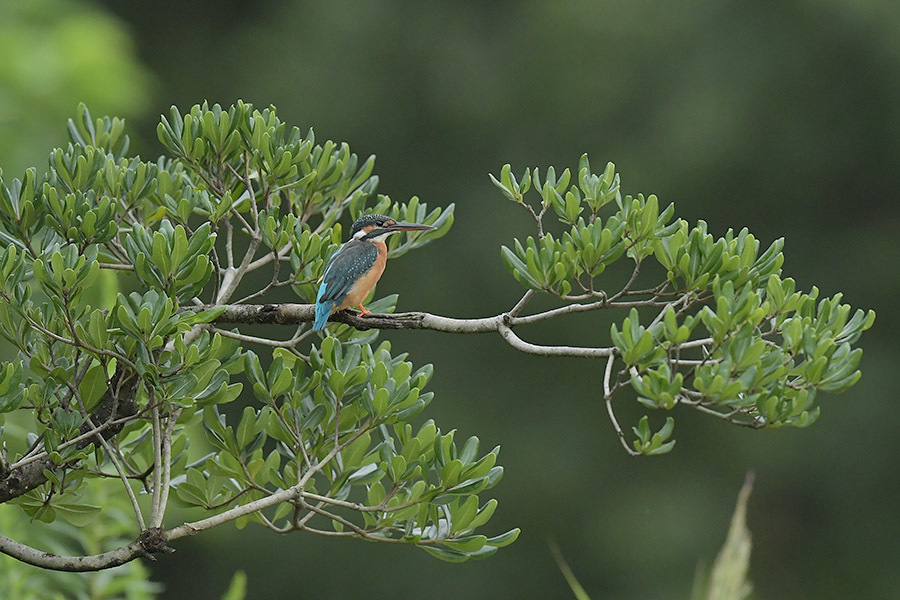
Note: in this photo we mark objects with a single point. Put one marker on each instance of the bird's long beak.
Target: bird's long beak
(400, 226)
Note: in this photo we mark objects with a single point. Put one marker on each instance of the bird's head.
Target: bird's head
(378, 227)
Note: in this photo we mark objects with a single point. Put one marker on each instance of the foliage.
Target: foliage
(722, 331)
(324, 443)
(117, 389)
(729, 129)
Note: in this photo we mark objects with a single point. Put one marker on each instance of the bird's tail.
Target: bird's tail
(323, 311)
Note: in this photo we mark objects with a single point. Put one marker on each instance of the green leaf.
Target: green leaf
(484, 514)
(78, 514)
(446, 554)
(468, 544)
(504, 539)
(93, 385)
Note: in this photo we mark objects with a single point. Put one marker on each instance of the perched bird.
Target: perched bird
(355, 268)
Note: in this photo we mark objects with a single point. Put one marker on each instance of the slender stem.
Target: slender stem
(96, 430)
(607, 398)
(229, 243)
(696, 343)
(624, 290)
(76, 343)
(115, 461)
(515, 310)
(298, 336)
(264, 260)
(167, 467)
(581, 352)
(382, 506)
(345, 522)
(157, 467)
(116, 267)
(273, 526)
(607, 392)
(563, 310)
(693, 362)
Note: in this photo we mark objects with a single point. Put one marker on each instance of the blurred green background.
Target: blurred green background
(780, 116)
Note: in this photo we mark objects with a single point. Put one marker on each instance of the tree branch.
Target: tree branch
(607, 399)
(167, 466)
(293, 314)
(150, 541)
(519, 344)
(115, 461)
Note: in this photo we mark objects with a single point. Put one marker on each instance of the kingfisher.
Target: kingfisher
(356, 267)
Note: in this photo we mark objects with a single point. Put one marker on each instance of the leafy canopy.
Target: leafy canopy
(720, 330)
(111, 389)
(120, 279)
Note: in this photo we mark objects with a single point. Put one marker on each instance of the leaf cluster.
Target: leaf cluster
(342, 425)
(722, 331)
(111, 384)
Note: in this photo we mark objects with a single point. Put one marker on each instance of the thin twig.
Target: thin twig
(624, 290)
(229, 243)
(607, 399)
(157, 466)
(115, 461)
(264, 260)
(167, 466)
(575, 351)
(75, 343)
(252, 339)
(29, 459)
(515, 310)
(116, 266)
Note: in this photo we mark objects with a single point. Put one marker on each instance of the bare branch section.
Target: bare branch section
(150, 542)
(293, 314)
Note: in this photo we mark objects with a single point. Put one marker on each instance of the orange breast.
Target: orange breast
(364, 284)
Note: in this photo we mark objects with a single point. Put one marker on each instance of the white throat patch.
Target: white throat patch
(383, 236)
(378, 238)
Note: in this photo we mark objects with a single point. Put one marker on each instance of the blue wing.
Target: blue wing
(348, 264)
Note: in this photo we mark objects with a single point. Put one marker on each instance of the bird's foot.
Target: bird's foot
(363, 312)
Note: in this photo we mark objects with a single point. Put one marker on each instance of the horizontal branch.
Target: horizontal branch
(293, 314)
(519, 344)
(150, 542)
